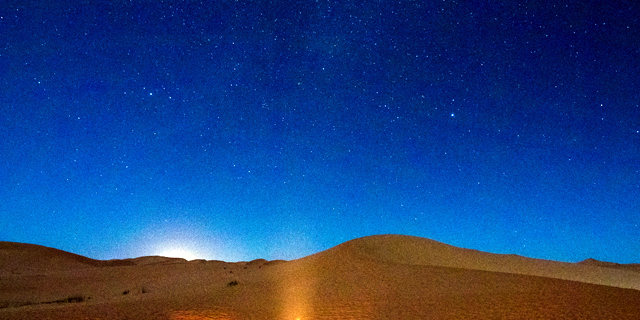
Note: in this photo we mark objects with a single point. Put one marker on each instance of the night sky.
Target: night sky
(236, 130)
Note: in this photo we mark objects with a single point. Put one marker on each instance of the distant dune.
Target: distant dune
(421, 251)
(22, 257)
(376, 277)
(593, 262)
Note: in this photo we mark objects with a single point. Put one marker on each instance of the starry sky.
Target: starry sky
(235, 130)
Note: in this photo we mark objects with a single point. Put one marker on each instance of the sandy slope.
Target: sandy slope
(421, 251)
(378, 277)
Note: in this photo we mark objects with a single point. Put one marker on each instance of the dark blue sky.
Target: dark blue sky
(237, 130)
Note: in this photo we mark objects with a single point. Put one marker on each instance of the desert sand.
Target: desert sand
(375, 277)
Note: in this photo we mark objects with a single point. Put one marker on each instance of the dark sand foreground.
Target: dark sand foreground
(377, 277)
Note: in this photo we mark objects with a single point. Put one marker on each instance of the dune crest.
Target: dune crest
(389, 248)
(593, 262)
(23, 257)
(375, 277)
(411, 250)
(19, 257)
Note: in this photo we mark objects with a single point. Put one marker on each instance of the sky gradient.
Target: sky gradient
(237, 130)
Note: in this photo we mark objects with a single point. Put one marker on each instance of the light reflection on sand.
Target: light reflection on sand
(297, 301)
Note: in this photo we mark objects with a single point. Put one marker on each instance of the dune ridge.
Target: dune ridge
(375, 277)
(25, 257)
(412, 250)
(388, 248)
(593, 262)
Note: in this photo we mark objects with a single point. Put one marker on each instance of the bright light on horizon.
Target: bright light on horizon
(179, 253)
(180, 238)
(177, 239)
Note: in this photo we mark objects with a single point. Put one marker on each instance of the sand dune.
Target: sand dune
(25, 258)
(593, 262)
(421, 251)
(22, 257)
(377, 277)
